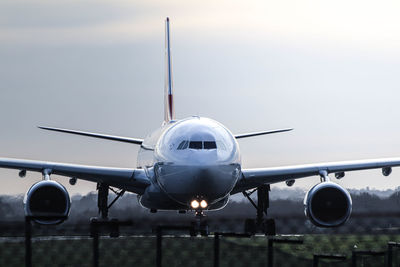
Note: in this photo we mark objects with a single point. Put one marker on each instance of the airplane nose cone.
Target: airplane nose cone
(183, 183)
(202, 178)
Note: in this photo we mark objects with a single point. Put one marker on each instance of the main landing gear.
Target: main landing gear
(260, 225)
(200, 226)
(102, 199)
(103, 223)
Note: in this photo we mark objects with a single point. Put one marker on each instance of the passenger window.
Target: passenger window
(210, 145)
(196, 145)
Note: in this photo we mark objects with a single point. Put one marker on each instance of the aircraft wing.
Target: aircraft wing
(133, 180)
(252, 178)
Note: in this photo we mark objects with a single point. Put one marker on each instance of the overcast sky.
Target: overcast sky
(329, 69)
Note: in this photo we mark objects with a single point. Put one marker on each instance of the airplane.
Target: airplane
(192, 164)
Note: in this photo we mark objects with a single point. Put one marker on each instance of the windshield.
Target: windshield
(197, 145)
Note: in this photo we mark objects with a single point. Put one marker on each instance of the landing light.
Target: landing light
(203, 204)
(195, 204)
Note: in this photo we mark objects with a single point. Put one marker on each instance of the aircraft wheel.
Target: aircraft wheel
(114, 228)
(204, 229)
(250, 226)
(269, 227)
(193, 229)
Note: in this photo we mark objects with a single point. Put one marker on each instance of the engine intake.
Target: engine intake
(327, 205)
(49, 201)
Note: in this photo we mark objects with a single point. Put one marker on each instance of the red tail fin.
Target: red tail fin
(169, 112)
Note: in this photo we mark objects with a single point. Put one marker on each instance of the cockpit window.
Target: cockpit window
(200, 145)
(210, 145)
(196, 145)
(183, 145)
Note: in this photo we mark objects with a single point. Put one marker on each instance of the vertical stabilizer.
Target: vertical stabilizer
(169, 112)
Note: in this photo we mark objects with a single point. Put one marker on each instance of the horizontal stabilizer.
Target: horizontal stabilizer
(262, 133)
(96, 135)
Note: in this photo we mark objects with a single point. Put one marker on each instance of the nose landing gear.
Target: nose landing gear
(260, 225)
(200, 226)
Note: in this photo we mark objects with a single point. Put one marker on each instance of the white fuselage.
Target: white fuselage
(193, 158)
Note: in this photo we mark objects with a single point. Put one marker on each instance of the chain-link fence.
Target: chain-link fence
(366, 241)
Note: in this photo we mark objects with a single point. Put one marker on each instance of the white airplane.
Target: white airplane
(190, 164)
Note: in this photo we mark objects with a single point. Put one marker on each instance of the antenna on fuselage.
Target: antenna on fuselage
(169, 112)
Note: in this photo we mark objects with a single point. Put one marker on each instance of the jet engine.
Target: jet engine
(49, 201)
(327, 205)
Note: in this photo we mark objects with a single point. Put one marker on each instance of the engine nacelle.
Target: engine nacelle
(327, 205)
(49, 200)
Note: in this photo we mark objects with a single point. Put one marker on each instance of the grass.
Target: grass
(189, 251)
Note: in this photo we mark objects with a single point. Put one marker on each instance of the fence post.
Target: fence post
(315, 260)
(270, 252)
(390, 255)
(95, 234)
(216, 249)
(159, 246)
(353, 259)
(391, 245)
(28, 242)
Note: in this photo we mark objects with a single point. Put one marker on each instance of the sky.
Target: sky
(329, 69)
